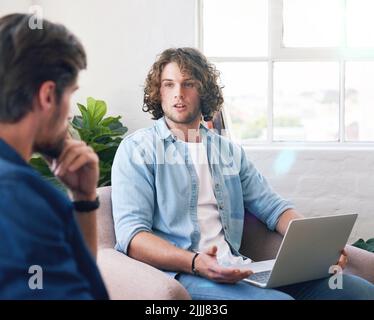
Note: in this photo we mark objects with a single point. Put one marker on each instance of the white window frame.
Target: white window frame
(279, 53)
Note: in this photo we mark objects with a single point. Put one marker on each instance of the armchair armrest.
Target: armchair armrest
(360, 263)
(129, 279)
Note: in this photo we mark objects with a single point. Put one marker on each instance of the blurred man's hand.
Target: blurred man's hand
(78, 168)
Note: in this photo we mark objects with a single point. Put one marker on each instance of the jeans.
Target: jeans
(354, 288)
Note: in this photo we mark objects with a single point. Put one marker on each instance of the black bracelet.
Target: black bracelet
(194, 271)
(86, 206)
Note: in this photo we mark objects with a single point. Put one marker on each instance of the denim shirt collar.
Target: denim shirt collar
(10, 154)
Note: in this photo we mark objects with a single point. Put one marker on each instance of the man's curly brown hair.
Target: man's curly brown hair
(193, 63)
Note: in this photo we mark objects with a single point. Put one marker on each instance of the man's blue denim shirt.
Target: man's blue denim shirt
(39, 236)
(155, 188)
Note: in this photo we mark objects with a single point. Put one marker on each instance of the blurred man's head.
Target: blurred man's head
(38, 74)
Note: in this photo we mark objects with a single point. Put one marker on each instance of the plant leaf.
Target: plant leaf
(40, 165)
(77, 122)
(91, 105)
(368, 245)
(96, 110)
(108, 120)
(100, 111)
(85, 115)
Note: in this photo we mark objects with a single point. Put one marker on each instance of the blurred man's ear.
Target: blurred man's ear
(46, 98)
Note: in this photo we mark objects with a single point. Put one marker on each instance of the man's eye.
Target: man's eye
(168, 84)
(189, 84)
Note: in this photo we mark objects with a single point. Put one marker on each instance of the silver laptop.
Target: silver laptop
(308, 250)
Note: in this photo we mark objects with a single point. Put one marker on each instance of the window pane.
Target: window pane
(360, 23)
(306, 101)
(245, 93)
(359, 100)
(235, 28)
(312, 23)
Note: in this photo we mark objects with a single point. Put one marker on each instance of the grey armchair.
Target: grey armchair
(129, 279)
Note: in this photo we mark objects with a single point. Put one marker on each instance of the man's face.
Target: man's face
(54, 131)
(180, 98)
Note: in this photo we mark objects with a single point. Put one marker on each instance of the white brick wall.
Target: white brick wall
(323, 181)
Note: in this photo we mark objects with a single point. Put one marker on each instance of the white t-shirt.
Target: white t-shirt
(211, 230)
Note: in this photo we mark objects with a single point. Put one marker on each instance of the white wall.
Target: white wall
(14, 6)
(122, 39)
(323, 181)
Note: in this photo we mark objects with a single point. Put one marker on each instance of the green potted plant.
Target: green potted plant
(103, 134)
(366, 245)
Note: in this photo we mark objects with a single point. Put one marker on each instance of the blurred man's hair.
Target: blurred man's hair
(29, 57)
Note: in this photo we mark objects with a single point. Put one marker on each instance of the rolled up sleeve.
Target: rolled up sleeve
(133, 193)
(259, 198)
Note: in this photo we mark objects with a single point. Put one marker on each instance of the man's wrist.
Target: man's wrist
(86, 205)
(84, 197)
(193, 264)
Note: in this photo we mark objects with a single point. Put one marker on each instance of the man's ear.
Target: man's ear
(46, 96)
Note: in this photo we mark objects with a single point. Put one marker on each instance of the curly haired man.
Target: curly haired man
(179, 191)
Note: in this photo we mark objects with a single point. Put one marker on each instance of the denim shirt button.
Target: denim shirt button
(217, 185)
(221, 207)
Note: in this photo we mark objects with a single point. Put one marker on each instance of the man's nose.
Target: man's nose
(178, 93)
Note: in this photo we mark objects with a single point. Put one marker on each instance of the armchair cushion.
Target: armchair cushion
(129, 279)
(105, 231)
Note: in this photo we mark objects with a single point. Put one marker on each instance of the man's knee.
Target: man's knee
(201, 288)
(270, 294)
(356, 288)
(243, 291)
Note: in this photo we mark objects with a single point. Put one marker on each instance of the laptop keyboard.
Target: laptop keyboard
(261, 277)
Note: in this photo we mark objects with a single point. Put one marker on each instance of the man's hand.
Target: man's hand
(78, 168)
(207, 266)
(343, 259)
